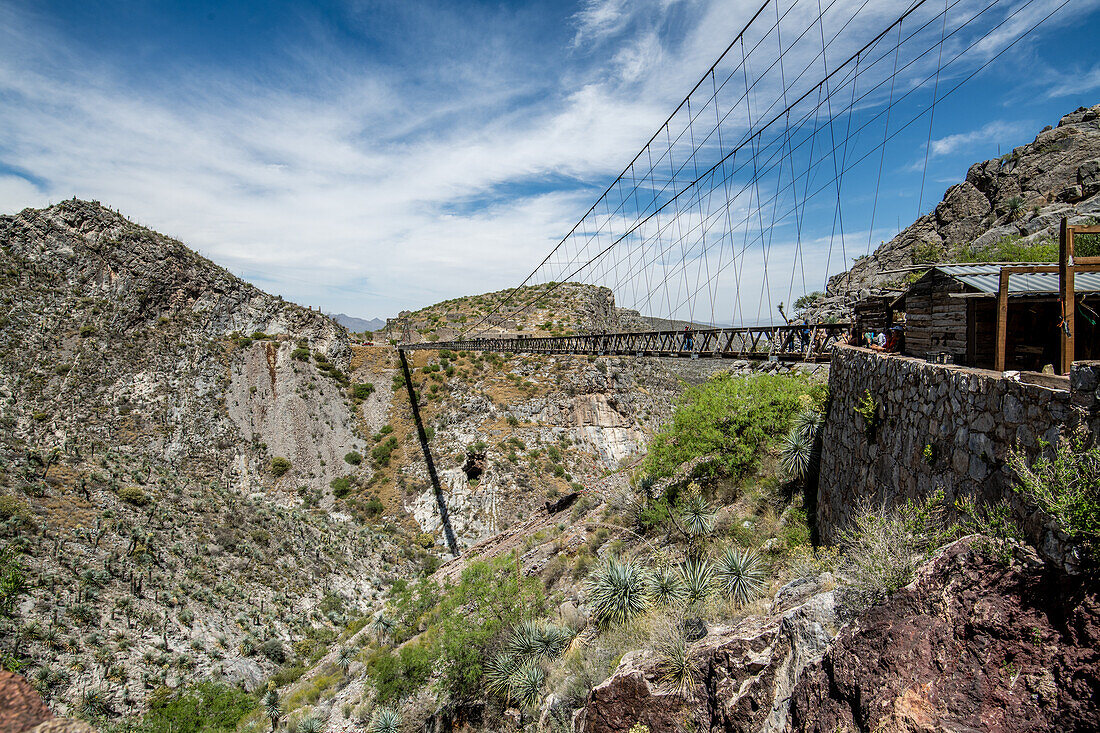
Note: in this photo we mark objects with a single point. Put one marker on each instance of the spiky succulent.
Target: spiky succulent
(740, 574)
(498, 672)
(808, 422)
(698, 579)
(667, 587)
(796, 454)
(697, 515)
(675, 664)
(344, 658)
(273, 707)
(93, 704)
(527, 682)
(310, 724)
(385, 720)
(618, 591)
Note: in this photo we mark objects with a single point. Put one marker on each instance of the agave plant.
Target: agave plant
(273, 707)
(385, 720)
(697, 515)
(807, 423)
(618, 591)
(381, 626)
(740, 574)
(667, 588)
(698, 579)
(796, 454)
(344, 658)
(527, 682)
(310, 724)
(675, 664)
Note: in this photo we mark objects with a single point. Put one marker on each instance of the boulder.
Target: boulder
(970, 644)
(22, 710)
(745, 677)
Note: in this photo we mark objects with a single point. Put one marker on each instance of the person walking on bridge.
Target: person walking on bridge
(689, 341)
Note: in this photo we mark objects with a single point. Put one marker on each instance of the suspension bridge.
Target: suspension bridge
(768, 177)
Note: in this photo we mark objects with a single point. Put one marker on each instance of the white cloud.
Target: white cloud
(996, 130)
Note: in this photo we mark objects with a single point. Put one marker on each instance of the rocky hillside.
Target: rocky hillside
(1007, 209)
(536, 310)
(169, 433)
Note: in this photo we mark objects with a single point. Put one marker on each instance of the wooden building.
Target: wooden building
(953, 309)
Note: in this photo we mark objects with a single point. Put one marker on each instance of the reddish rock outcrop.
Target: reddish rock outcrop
(969, 645)
(22, 710)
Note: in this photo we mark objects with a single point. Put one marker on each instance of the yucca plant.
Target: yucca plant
(385, 720)
(310, 724)
(273, 707)
(93, 704)
(697, 515)
(675, 665)
(498, 673)
(796, 454)
(740, 574)
(618, 591)
(698, 579)
(808, 422)
(344, 657)
(667, 587)
(527, 682)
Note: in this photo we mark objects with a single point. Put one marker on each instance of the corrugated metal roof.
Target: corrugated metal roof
(986, 279)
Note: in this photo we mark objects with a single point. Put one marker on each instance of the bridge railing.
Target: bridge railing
(812, 342)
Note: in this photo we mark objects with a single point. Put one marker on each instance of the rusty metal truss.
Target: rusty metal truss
(811, 343)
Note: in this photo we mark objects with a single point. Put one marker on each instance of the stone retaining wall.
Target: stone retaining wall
(937, 426)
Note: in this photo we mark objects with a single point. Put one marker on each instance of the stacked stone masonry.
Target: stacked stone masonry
(937, 427)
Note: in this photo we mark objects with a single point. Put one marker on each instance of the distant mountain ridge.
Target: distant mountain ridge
(357, 325)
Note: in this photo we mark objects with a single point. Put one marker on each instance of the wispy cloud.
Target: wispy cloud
(995, 130)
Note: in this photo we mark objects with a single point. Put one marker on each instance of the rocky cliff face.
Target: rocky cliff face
(145, 393)
(970, 644)
(1023, 194)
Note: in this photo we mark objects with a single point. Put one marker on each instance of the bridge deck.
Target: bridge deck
(813, 342)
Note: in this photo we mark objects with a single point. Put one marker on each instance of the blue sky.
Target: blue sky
(368, 157)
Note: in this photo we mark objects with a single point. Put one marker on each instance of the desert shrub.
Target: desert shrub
(134, 495)
(279, 466)
(373, 507)
(381, 452)
(13, 581)
(398, 675)
(207, 707)
(274, 650)
(14, 508)
(341, 487)
(884, 547)
(1065, 484)
(300, 354)
(362, 390)
(730, 419)
(1007, 249)
(353, 457)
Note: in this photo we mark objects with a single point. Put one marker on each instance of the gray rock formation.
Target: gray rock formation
(1025, 193)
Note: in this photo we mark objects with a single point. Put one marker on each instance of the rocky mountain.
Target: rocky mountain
(168, 434)
(358, 325)
(1007, 209)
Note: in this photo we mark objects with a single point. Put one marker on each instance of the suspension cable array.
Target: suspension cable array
(765, 179)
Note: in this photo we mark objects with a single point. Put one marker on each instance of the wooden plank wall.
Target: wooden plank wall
(934, 321)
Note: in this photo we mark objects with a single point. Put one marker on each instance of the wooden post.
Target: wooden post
(1002, 321)
(1066, 294)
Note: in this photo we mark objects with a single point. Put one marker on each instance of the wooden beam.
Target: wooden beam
(1082, 229)
(1067, 295)
(1002, 321)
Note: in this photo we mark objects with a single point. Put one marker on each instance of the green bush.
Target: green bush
(374, 507)
(730, 419)
(274, 650)
(396, 676)
(341, 487)
(133, 495)
(12, 507)
(1065, 484)
(353, 457)
(279, 466)
(362, 390)
(207, 707)
(381, 452)
(301, 354)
